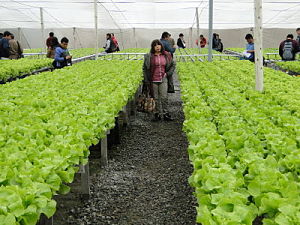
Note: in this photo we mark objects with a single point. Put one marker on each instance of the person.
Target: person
(249, 53)
(288, 48)
(110, 45)
(52, 43)
(15, 49)
(203, 41)
(4, 45)
(166, 43)
(158, 65)
(171, 41)
(1, 36)
(62, 56)
(219, 44)
(215, 42)
(114, 39)
(180, 41)
(298, 37)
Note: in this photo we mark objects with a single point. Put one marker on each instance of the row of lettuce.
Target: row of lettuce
(47, 124)
(244, 145)
(10, 69)
(293, 66)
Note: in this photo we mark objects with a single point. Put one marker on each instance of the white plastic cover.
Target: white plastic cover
(119, 14)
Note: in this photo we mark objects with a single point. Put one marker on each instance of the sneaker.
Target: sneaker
(167, 117)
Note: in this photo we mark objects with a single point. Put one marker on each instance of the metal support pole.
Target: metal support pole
(42, 27)
(96, 29)
(45, 221)
(104, 158)
(74, 37)
(19, 35)
(198, 30)
(85, 180)
(258, 33)
(134, 35)
(191, 37)
(211, 12)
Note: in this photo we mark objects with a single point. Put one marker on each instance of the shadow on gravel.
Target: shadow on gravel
(146, 181)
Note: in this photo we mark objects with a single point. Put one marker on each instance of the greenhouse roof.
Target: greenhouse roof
(146, 13)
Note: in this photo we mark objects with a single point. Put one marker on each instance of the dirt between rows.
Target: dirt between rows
(145, 182)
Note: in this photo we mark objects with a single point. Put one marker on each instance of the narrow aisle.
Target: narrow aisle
(146, 181)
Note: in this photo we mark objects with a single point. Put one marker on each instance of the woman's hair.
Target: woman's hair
(154, 43)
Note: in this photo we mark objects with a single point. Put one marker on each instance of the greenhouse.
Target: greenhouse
(149, 112)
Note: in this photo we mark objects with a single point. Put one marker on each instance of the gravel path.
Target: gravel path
(146, 181)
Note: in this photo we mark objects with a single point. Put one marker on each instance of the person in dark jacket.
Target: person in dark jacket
(219, 44)
(4, 45)
(158, 65)
(180, 41)
(166, 44)
(288, 48)
(62, 56)
(214, 42)
(1, 36)
(298, 37)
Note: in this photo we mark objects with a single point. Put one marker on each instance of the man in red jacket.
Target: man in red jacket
(114, 39)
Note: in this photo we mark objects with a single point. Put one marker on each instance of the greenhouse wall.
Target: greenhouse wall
(84, 37)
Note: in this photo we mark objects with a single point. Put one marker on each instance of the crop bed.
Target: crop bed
(11, 69)
(48, 122)
(293, 66)
(244, 145)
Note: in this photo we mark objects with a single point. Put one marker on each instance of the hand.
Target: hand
(68, 57)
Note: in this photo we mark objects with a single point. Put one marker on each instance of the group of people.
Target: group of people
(287, 48)
(58, 51)
(111, 44)
(217, 44)
(9, 47)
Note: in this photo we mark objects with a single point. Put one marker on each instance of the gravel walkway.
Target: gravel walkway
(146, 181)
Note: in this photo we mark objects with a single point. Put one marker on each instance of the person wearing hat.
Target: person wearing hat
(4, 45)
(180, 41)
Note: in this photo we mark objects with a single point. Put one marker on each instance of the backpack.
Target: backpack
(288, 50)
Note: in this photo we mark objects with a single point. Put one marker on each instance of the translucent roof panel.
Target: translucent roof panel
(146, 13)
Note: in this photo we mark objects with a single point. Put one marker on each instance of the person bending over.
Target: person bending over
(62, 56)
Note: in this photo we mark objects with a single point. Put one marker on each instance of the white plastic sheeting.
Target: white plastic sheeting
(121, 14)
(85, 37)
